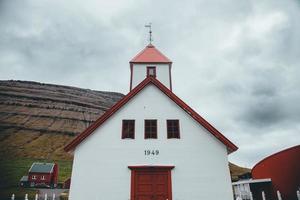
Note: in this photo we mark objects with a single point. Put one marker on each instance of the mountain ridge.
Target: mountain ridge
(38, 119)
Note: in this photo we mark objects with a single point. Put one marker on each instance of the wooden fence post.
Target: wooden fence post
(263, 195)
(13, 197)
(298, 194)
(279, 195)
(251, 196)
(26, 196)
(46, 196)
(53, 196)
(36, 197)
(239, 198)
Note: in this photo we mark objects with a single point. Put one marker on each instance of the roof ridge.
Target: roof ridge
(230, 146)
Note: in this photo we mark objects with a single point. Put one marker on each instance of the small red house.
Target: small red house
(67, 183)
(43, 175)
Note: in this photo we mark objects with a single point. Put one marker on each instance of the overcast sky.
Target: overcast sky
(235, 62)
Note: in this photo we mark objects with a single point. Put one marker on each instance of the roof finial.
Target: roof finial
(150, 32)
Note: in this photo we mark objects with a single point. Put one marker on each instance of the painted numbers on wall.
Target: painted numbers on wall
(151, 152)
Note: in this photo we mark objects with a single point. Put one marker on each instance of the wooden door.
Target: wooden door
(151, 184)
(161, 186)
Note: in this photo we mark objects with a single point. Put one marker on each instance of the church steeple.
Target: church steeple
(150, 62)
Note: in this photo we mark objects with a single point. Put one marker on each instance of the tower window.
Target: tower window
(173, 128)
(150, 128)
(128, 129)
(151, 71)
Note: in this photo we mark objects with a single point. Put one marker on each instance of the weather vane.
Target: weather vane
(150, 31)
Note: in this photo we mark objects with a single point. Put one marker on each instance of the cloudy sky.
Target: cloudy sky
(236, 62)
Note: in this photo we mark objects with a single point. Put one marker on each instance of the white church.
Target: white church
(151, 145)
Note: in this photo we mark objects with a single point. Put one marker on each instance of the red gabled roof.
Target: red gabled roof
(150, 55)
(150, 80)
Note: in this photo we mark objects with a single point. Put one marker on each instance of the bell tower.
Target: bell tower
(150, 62)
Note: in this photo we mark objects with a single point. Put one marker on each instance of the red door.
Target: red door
(152, 183)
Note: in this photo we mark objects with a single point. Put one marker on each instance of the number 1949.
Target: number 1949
(151, 152)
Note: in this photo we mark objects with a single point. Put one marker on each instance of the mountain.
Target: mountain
(37, 120)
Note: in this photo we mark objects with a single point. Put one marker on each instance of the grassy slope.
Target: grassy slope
(19, 150)
(29, 144)
(235, 171)
(12, 169)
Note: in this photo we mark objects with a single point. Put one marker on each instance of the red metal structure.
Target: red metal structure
(284, 170)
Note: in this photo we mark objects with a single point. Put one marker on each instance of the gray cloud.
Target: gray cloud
(236, 62)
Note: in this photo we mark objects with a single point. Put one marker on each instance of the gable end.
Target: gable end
(151, 80)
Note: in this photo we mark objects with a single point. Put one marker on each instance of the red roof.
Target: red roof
(150, 55)
(150, 80)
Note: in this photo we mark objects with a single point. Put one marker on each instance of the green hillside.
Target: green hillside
(37, 120)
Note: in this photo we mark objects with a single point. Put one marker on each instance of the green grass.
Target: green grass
(12, 169)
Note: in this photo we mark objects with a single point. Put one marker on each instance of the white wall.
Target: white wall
(100, 168)
(140, 73)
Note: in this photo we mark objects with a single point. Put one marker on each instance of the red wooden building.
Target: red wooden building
(67, 183)
(41, 175)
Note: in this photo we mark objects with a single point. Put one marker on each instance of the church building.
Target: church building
(151, 145)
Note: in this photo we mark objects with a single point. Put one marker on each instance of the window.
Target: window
(150, 128)
(43, 178)
(151, 71)
(33, 177)
(173, 128)
(128, 129)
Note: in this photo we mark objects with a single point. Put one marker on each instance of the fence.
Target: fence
(37, 197)
(239, 197)
(248, 196)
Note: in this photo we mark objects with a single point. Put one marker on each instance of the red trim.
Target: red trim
(131, 75)
(170, 76)
(151, 63)
(151, 166)
(170, 184)
(132, 184)
(150, 80)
